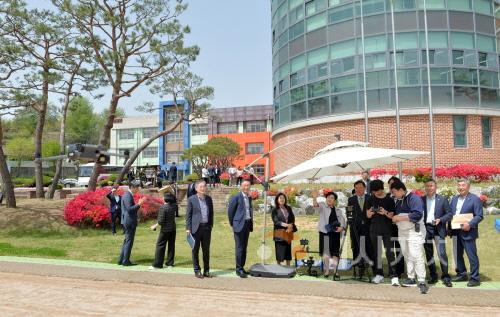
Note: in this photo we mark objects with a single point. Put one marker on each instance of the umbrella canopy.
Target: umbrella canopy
(345, 157)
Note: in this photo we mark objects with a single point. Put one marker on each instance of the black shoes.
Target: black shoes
(208, 275)
(129, 264)
(473, 283)
(423, 287)
(460, 278)
(447, 282)
(198, 275)
(432, 280)
(242, 273)
(409, 282)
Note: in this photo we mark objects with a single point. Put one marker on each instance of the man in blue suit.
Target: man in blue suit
(465, 237)
(199, 223)
(240, 215)
(437, 214)
(129, 221)
(115, 207)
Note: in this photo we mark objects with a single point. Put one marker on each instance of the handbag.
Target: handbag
(280, 235)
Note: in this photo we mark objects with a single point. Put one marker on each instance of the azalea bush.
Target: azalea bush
(90, 209)
(473, 172)
(254, 194)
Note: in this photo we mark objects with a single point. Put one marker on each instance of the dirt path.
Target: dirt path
(30, 295)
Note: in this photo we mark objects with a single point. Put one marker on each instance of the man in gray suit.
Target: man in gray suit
(199, 223)
(129, 222)
(240, 216)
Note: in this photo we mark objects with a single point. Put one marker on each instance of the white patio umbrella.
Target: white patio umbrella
(345, 157)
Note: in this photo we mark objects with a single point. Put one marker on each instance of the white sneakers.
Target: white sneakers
(394, 281)
(377, 279)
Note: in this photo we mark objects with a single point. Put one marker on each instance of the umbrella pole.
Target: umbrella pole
(266, 188)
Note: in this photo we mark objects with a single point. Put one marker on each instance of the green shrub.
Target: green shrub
(193, 177)
(225, 182)
(30, 181)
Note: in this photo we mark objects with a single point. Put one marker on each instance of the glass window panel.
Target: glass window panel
(407, 77)
(346, 83)
(373, 6)
(458, 57)
(127, 134)
(340, 66)
(433, 4)
(293, 3)
(316, 22)
(285, 99)
(410, 97)
(298, 111)
(341, 13)
(375, 61)
(486, 130)
(378, 99)
(318, 89)
(315, 6)
(405, 41)
(229, 127)
(296, 14)
(465, 96)
(488, 79)
(483, 59)
(441, 96)
(317, 56)
(460, 131)
(439, 76)
(377, 79)
(490, 98)
(199, 129)
(174, 137)
(297, 63)
(317, 71)
(441, 57)
(344, 103)
(297, 94)
(470, 58)
(319, 107)
(436, 39)
(150, 152)
(296, 30)
(342, 49)
(284, 70)
(403, 4)
(255, 126)
(149, 132)
(284, 115)
(493, 59)
(464, 5)
(462, 40)
(282, 40)
(464, 76)
(298, 78)
(485, 43)
(483, 6)
(374, 44)
(254, 148)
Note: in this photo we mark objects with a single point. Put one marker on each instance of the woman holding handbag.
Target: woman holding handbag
(284, 227)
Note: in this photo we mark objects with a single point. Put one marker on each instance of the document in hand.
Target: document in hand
(190, 240)
(460, 219)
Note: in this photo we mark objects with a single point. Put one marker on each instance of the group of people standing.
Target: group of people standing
(211, 175)
(408, 227)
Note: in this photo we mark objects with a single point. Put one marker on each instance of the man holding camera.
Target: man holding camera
(437, 213)
(410, 220)
(465, 237)
(360, 229)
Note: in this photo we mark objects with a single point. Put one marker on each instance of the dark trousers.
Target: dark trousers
(361, 242)
(128, 243)
(241, 243)
(470, 248)
(164, 238)
(202, 237)
(432, 238)
(377, 242)
(114, 216)
(399, 266)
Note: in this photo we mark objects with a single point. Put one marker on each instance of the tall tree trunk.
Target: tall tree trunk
(8, 188)
(135, 154)
(105, 135)
(62, 144)
(38, 151)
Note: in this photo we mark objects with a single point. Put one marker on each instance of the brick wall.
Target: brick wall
(414, 136)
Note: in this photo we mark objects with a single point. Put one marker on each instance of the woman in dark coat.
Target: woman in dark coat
(166, 220)
(283, 219)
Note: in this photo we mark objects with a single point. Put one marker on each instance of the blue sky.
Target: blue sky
(235, 58)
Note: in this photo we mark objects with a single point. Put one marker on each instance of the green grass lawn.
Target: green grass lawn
(64, 242)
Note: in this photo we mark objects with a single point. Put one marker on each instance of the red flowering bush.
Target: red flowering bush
(254, 195)
(272, 192)
(418, 192)
(224, 176)
(376, 172)
(245, 176)
(91, 208)
(326, 191)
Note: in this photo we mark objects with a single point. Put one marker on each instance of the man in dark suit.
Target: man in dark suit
(129, 222)
(365, 176)
(465, 237)
(115, 207)
(240, 215)
(199, 223)
(360, 229)
(191, 190)
(437, 214)
(172, 173)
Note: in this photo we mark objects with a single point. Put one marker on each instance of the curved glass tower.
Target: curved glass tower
(337, 57)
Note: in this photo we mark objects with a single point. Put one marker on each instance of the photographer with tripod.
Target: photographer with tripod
(360, 229)
(331, 223)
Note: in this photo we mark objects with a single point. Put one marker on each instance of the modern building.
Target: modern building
(173, 145)
(250, 127)
(340, 67)
(129, 133)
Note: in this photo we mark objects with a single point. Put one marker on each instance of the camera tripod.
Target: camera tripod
(362, 265)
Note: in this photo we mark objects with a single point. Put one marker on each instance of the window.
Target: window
(227, 127)
(458, 57)
(407, 77)
(318, 89)
(346, 83)
(126, 134)
(316, 22)
(315, 6)
(173, 157)
(317, 56)
(297, 94)
(255, 126)
(254, 148)
(298, 78)
(436, 39)
(459, 131)
(374, 44)
(340, 13)
(439, 76)
(319, 107)
(375, 61)
(344, 65)
(344, 103)
(463, 5)
(199, 129)
(296, 15)
(405, 41)
(342, 49)
(298, 111)
(373, 6)
(488, 79)
(436, 57)
(404, 4)
(122, 151)
(174, 137)
(150, 152)
(490, 98)
(406, 58)
(462, 40)
(297, 63)
(483, 6)
(433, 4)
(486, 128)
(465, 96)
(483, 59)
(149, 132)
(463, 76)
(172, 116)
(259, 169)
(377, 79)
(485, 43)
(317, 71)
(296, 30)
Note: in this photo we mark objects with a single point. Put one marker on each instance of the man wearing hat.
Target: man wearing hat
(129, 221)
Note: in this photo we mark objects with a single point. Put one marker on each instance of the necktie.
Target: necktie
(361, 202)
